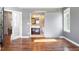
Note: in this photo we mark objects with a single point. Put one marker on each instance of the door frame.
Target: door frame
(30, 23)
(7, 11)
(20, 35)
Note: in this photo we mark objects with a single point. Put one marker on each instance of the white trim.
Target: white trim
(8, 10)
(20, 25)
(67, 11)
(25, 37)
(35, 26)
(69, 40)
(16, 37)
(30, 23)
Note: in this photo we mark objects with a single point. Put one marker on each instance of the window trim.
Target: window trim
(67, 11)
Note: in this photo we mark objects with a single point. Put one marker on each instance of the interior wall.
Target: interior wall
(74, 22)
(53, 24)
(53, 21)
(26, 23)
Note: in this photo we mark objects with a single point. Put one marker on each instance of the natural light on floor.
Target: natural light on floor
(45, 40)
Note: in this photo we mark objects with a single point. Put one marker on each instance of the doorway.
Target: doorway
(7, 27)
(37, 24)
(12, 26)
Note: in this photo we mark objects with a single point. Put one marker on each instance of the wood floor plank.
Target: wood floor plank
(40, 44)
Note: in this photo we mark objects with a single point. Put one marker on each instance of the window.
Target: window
(67, 20)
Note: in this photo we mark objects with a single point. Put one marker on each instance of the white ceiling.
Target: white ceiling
(57, 9)
(42, 9)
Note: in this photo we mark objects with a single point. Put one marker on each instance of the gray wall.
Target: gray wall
(53, 24)
(25, 23)
(53, 21)
(74, 25)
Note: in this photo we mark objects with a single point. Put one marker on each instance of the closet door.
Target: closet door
(1, 25)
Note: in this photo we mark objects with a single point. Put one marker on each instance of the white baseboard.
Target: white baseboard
(16, 37)
(69, 40)
(25, 37)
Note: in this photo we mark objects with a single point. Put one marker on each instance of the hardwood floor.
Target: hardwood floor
(40, 44)
(0, 47)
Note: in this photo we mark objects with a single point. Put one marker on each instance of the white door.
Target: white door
(16, 24)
